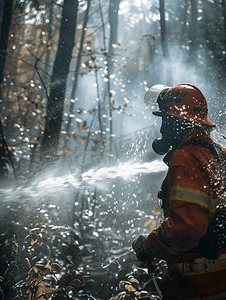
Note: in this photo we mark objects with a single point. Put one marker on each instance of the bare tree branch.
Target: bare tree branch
(37, 70)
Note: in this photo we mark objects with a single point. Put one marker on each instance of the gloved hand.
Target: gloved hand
(140, 247)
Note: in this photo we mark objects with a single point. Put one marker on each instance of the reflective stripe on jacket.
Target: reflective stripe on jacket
(183, 193)
(200, 266)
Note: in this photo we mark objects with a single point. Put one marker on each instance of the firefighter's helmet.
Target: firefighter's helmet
(184, 101)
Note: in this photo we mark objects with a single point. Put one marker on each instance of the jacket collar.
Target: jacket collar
(196, 134)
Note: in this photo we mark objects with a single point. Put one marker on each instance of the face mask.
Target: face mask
(173, 131)
(160, 146)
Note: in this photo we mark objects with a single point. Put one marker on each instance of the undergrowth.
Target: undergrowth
(43, 259)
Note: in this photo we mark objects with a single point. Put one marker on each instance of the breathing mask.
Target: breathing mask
(160, 146)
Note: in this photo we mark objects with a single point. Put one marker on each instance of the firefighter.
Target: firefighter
(192, 238)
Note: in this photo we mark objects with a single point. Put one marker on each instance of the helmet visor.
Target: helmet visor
(151, 96)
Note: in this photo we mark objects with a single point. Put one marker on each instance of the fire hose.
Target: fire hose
(146, 257)
(149, 264)
(151, 270)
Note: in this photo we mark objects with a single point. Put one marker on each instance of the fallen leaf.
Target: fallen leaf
(28, 262)
(153, 225)
(57, 268)
(148, 222)
(69, 288)
(69, 259)
(130, 288)
(134, 280)
(33, 241)
(40, 268)
(122, 283)
(33, 277)
(76, 282)
(156, 211)
(116, 297)
(85, 278)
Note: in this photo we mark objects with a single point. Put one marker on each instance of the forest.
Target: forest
(79, 178)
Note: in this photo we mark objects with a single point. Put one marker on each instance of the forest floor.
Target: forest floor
(42, 258)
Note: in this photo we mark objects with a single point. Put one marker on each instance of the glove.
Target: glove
(140, 247)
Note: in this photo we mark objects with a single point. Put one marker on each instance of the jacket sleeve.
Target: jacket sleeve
(190, 211)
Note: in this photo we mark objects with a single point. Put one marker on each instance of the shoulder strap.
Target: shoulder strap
(214, 148)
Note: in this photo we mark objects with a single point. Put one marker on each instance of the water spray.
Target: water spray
(149, 132)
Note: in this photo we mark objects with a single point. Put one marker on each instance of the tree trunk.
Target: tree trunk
(184, 20)
(6, 20)
(167, 73)
(224, 16)
(113, 20)
(113, 41)
(193, 26)
(163, 28)
(49, 38)
(77, 69)
(55, 102)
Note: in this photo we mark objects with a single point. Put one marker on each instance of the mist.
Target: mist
(98, 186)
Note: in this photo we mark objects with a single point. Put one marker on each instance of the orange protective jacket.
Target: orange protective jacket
(192, 200)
